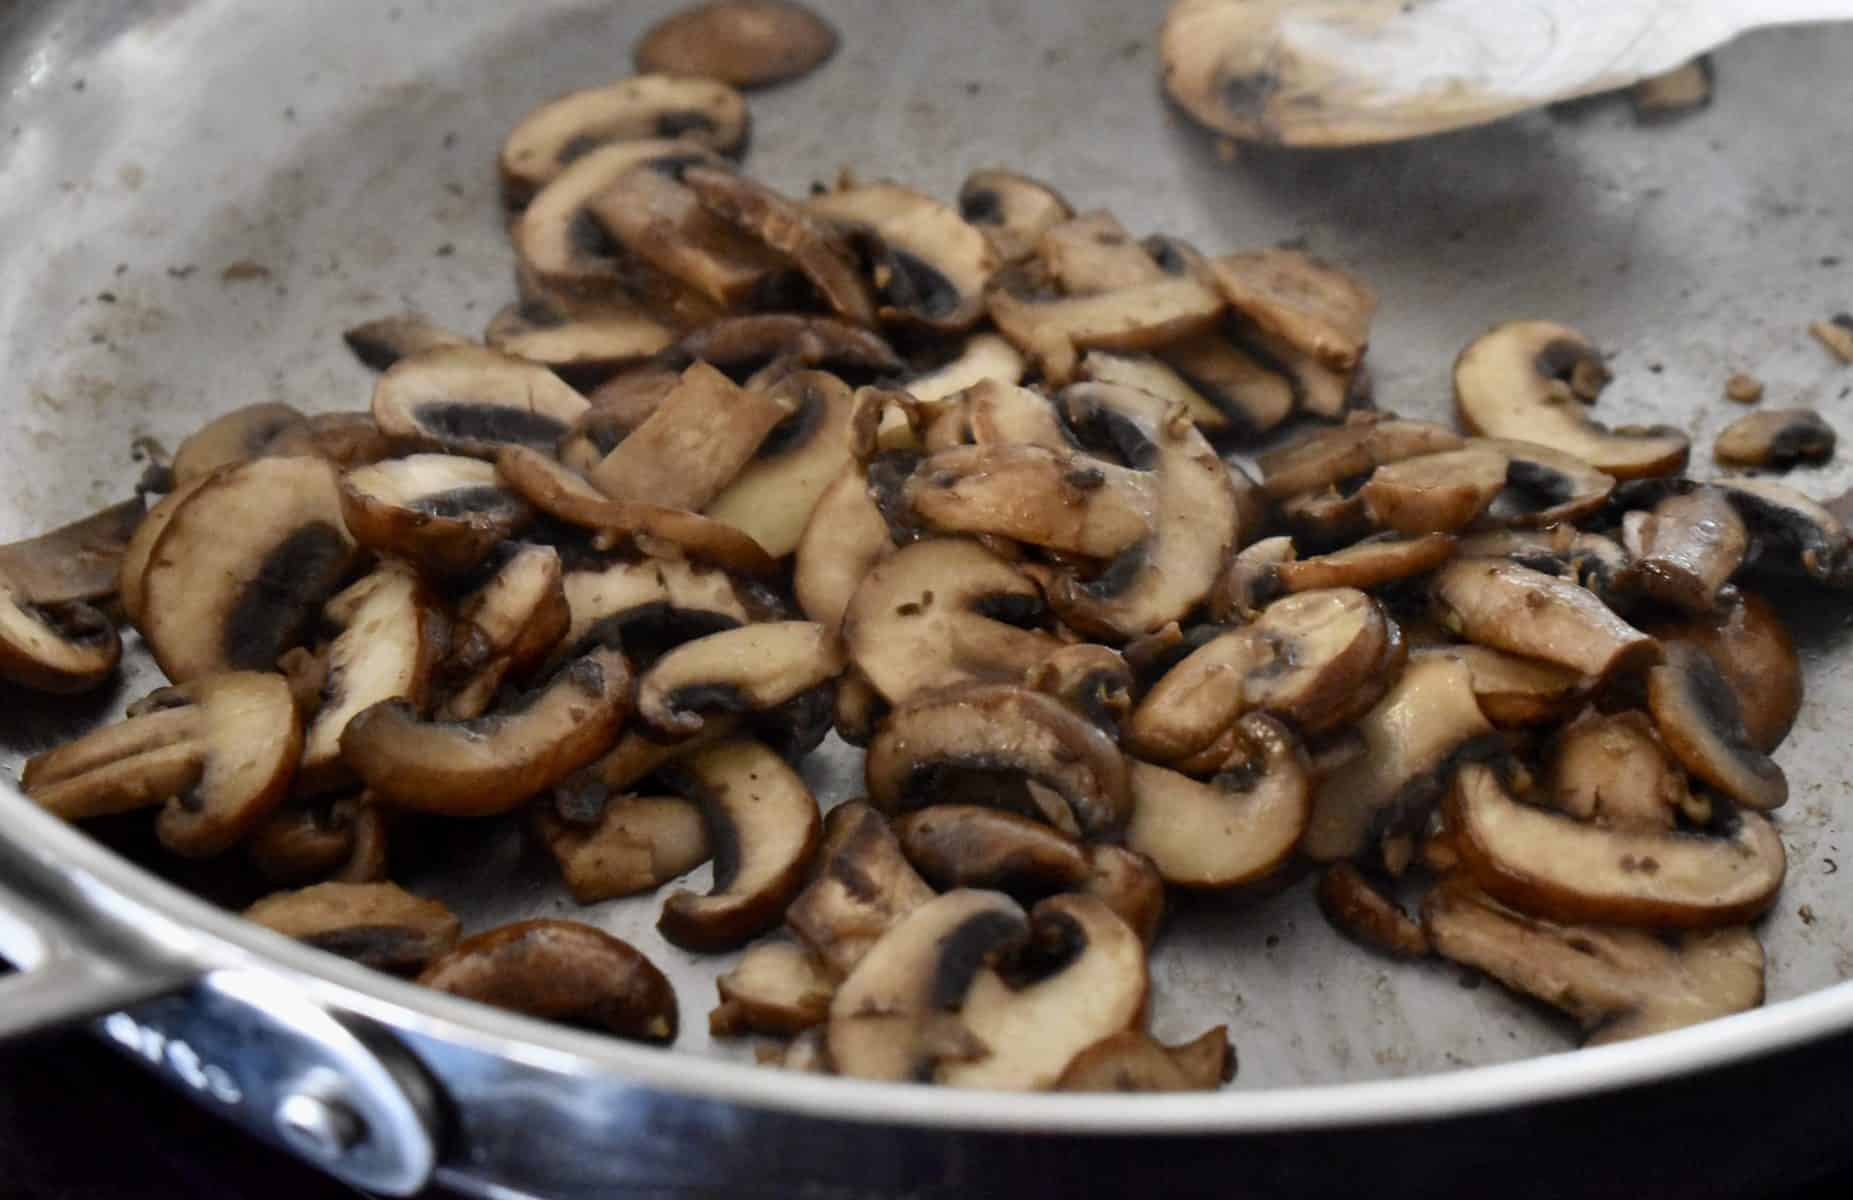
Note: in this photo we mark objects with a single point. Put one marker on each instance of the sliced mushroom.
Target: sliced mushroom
(864, 885)
(1061, 501)
(381, 343)
(1589, 559)
(1093, 253)
(75, 562)
(493, 763)
(1435, 493)
(970, 846)
(1529, 380)
(241, 567)
(1616, 983)
(1611, 769)
(442, 512)
(1562, 869)
(746, 43)
(998, 414)
(1237, 827)
(1313, 307)
(1545, 487)
(505, 628)
(346, 439)
(342, 840)
(378, 925)
(1686, 550)
(1514, 692)
(619, 405)
(701, 112)
(1412, 740)
(817, 250)
(239, 436)
(1094, 680)
(1153, 375)
(778, 988)
(1252, 580)
(771, 499)
(585, 347)
(750, 669)
(1790, 532)
(59, 648)
(1777, 439)
(1357, 909)
(764, 829)
(693, 445)
(660, 222)
(987, 743)
(1055, 332)
(1319, 391)
(472, 401)
(1134, 1062)
(218, 753)
(650, 606)
(561, 971)
(1247, 397)
(983, 356)
(1514, 608)
(928, 266)
(1696, 712)
(1127, 882)
(1013, 210)
(1328, 457)
(1752, 650)
(1371, 563)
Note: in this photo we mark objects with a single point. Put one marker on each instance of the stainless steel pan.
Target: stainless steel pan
(339, 155)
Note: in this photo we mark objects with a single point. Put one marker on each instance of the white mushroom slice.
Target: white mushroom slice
(750, 669)
(1775, 438)
(1529, 380)
(1054, 333)
(777, 988)
(1152, 375)
(76, 562)
(1526, 612)
(984, 356)
(1412, 739)
(637, 843)
(1328, 457)
(1616, 983)
(442, 512)
(1435, 493)
(378, 925)
(843, 540)
(586, 346)
(218, 753)
(381, 343)
(814, 247)
(1514, 692)
(934, 614)
(746, 43)
(472, 401)
(863, 886)
(1686, 550)
(1063, 501)
(693, 445)
(649, 605)
(1370, 563)
(764, 830)
(772, 497)
(493, 763)
(1696, 712)
(1751, 648)
(1313, 307)
(659, 221)
(139, 552)
(505, 628)
(1133, 1062)
(1357, 909)
(1235, 828)
(1545, 487)
(1612, 770)
(1557, 867)
(700, 112)
(242, 567)
(61, 648)
(928, 265)
(1013, 210)
(988, 743)
(239, 436)
(971, 846)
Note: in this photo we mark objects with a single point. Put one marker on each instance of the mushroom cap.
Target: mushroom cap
(1776, 438)
(384, 341)
(588, 346)
(1695, 709)
(1752, 650)
(1514, 608)
(1435, 493)
(1013, 210)
(970, 846)
(238, 436)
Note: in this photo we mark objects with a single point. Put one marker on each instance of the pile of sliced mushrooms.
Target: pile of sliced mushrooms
(956, 482)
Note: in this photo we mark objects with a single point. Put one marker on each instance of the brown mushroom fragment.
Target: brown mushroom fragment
(1371, 563)
(693, 445)
(1514, 608)
(1790, 532)
(1127, 882)
(493, 763)
(863, 886)
(59, 648)
(1545, 487)
(1251, 582)
(969, 846)
(814, 247)
(1313, 307)
(441, 512)
(1055, 331)
(1357, 909)
(584, 347)
(983, 356)
(1094, 253)
(636, 843)
(746, 43)
(1013, 210)
(763, 829)
(1696, 712)
(218, 753)
(381, 343)
(1529, 380)
(1752, 650)
(772, 497)
(1776, 439)
(1686, 550)
(1611, 769)
(346, 439)
(378, 925)
(1067, 502)
(561, 971)
(1329, 457)
(342, 840)
(1616, 983)
(750, 669)
(650, 605)
(1435, 493)
(1092, 679)
(505, 628)
(1589, 559)
(472, 401)
(777, 988)
(661, 223)
(1134, 1062)
(1514, 692)
(1679, 90)
(927, 265)
(75, 562)
(1835, 335)
(1562, 869)
(239, 436)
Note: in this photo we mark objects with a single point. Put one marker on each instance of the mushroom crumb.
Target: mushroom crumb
(1836, 334)
(1743, 389)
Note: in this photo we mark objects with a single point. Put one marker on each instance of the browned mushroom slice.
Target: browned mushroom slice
(927, 265)
(1357, 909)
(1529, 379)
(815, 248)
(1248, 396)
(862, 887)
(1094, 680)
(773, 496)
(1528, 613)
(75, 562)
(1319, 391)
(443, 512)
(1514, 692)
(746, 43)
(983, 356)
(1013, 210)
(1062, 501)
(242, 567)
(58, 648)
(694, 444)
(1412, 739)
(1589, 559)
(1435, 493)
(842, 542)
(700, 112)
(637, 843)
(493, 763)
(619, 405)
(1686, 550)
(239, 436)
(777, 988)
(999, 413)
(1252, 580)
(1559, 868)
(1314, 308)
(1328, 457)
(1127, 882)
(1545, 487)
(1233, 829)
(505, 628)
(764, 830)
(1370, 563)
(1790, 532)
(1752, 650)
(1093, 253)
(1611, 769)
(1134, 1062)
(970, 846)
(472, 401)
(750, 669)
(660, 221)
(1616, 983)
(342, 840)
(346, 439)
(1055, 331)
(1777, 439)
(1696, 712)
(218, 752)
(737, 343)
(1154, 376)
(561, 971)
(378, 925)
(381, 343)
(651, 605)
(581, 347)
(139, 551)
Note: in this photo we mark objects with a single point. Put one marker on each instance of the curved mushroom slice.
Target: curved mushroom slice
(505, 628)
(1776, 439)
(934, 614)
(789, 229)
(76, 562)
(1134, 1062)
(1365, 915)
(346, 439)
(1055, 332)
(493, 763)
(1237, 827)
(1751, 649)
(1514, 692)
(1791, 532)
(343, 841)
(1094, 680)
(588, 346)
(1252, 580)
(1686, 550)
(1589, 559)
(1152, 375)
(1529, 379)
(378, 925)
(771, 499)
(1371, 563)
(969, 846)
(693, 445)
(242, 567)
(764, 829)
(1514, 608)
(699, 112)
(59, 648)
(928, 266)
(661, 223)
(1321, 392)
(746, 43)
(139, 552)
(750, 669)
(1696, 712)
(777, 988)
(1248, 396)
(1562, 869)
(1612, 770)
(1314, 308)
(1127, 882)
(442, 512)
(472, 401)
(219, 752)
(239, 436)
(737, 343)
(637, 843)
(1063, 501)
(1435, 493)
(1545, 487)
(381, 343)
(561, 971)
(650, 606)
(1616, 983)
(1013, 210)
(984, 356)
(863, 886)
(989, 743)
(1164, 576)
(1328, 457)
(842, 542)
(1412, 739)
